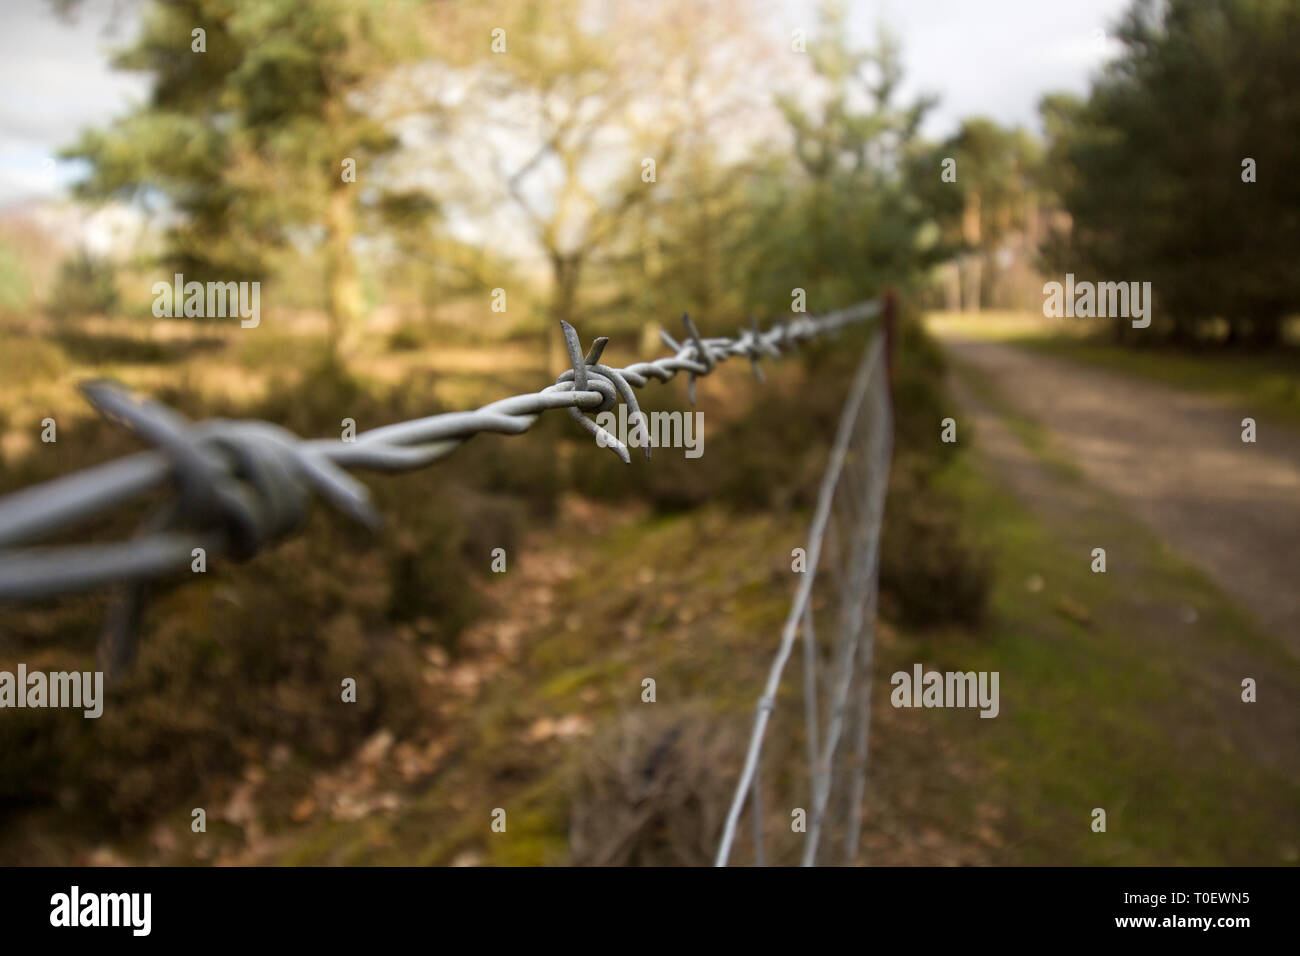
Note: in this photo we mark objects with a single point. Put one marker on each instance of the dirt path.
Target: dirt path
(1176, 461)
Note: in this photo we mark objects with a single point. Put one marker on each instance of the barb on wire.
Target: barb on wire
(241, 485)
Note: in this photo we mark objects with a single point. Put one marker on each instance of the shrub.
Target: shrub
(83, 284)
(649, 792)
(255, 653)
(930, 571)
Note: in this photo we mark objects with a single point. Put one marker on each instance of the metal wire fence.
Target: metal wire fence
(834, 612)
(240, 485)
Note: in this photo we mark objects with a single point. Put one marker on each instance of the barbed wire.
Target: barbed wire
(243, 484)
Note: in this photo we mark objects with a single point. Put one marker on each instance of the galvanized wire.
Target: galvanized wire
(846, 523)
(241, 485)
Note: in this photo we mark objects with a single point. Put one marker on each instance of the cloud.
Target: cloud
(992, 57)
(57, 79)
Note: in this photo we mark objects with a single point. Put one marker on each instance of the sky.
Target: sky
(993, 57)
(987, 57)
(56, 79)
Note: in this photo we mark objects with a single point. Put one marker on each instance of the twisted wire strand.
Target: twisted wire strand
(244, 484)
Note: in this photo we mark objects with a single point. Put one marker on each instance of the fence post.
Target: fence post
(889, 317)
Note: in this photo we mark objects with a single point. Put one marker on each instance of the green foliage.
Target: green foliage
(15, 287)
(997, 173)
(246, 141)
(851, 222)
(99, 349)
(85, 283)
(839, 216)
(931, 572)
(1150, 166)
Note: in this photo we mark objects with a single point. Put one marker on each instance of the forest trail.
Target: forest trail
(1176, 461)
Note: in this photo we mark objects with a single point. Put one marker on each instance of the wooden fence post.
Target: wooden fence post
(889, 317)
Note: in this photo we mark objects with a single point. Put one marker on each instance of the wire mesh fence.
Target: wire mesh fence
(832, 617)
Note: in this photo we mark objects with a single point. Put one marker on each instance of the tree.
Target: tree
(578, 120)
(1152, 166)
(252, 132)
(992, 193)
(846, 220)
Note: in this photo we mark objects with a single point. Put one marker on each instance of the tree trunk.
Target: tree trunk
(1265, 331)
(1234, 333)
(566, 270)
(344, 288)
(974, 268)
